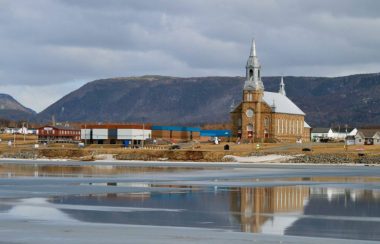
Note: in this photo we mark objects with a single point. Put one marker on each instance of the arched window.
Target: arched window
(258, 73)
(249, 97)
(250, 74)
(266, 122)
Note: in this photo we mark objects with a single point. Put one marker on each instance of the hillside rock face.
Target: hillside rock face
(352, 100)
(13, 110)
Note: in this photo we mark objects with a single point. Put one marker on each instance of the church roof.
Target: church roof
(283, 103)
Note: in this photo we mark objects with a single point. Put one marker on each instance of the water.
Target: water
(298, 210)
(271, 201)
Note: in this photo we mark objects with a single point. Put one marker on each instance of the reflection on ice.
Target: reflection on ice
(278, 224)
(297, 210)
(80, 171)
(37, 209)
(286, 210)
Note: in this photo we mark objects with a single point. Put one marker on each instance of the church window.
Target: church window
(294, 126)
(258, 73)
(286, 126)
(249, 97)
(282, 126)
(290, 127)
(250, 74)
(266, 122)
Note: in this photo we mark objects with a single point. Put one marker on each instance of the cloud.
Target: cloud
(56, 43)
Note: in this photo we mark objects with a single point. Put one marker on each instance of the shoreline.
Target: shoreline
(135, 163)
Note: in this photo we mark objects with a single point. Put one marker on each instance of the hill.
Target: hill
(13, 110)
(171, 100)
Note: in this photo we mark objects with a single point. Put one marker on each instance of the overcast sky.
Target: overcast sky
(51, 47)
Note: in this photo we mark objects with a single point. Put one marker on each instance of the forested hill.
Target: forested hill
(352, 100)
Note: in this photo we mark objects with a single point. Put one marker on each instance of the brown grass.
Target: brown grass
(201, 152)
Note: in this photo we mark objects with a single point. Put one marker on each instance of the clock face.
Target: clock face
(249, 113)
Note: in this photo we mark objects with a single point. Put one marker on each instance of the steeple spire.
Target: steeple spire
(253, 71)
(282, 87)
(233, 106)
(253, 49)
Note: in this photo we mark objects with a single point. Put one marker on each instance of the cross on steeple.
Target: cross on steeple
(282, 87)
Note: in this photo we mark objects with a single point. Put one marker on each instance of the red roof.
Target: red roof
(116, 126)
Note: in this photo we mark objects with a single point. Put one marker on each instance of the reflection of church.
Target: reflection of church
(266, 116)
(255, 205)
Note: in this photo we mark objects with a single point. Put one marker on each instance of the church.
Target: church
(264, 116)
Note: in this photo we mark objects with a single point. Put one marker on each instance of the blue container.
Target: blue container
(126, 143)
(216, 133)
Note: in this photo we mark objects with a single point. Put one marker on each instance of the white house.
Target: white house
(318, 134)
(340, 133)
(367, 137)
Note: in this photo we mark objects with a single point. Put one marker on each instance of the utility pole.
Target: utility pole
(24, 131)
(143, 132)
(14, 138)
(345, 139)
(85, 134)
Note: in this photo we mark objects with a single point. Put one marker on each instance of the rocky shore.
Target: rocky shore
(197, 156)
(336, 159)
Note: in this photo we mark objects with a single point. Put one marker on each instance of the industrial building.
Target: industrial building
(176, 133)
(58, 134)
(126, 134)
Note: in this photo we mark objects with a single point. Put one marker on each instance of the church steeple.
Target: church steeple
(282, 87)
(253, 70)
(253, 49)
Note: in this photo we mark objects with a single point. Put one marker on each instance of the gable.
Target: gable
(283, 103)
(359, 135)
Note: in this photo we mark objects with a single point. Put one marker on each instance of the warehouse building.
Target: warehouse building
(58, 134)
(176, 133)
(125, 134)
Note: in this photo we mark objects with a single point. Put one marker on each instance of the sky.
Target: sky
(49, 48)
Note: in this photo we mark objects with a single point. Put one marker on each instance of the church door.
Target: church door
(250, 130)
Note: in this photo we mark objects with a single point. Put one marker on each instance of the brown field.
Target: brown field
(197, 152)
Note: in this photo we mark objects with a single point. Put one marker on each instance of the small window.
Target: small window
(266, 122)
(360, 140)
(250, 73)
